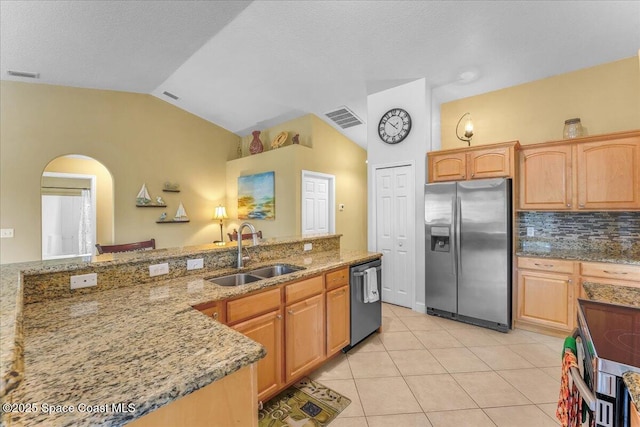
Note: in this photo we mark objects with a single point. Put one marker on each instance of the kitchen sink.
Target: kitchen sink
(235, 279)
(274, 270)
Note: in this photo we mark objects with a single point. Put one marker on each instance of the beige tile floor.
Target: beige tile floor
(428, 371)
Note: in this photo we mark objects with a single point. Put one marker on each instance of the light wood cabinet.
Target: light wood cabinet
(447, 167)
(268, 331)
(592, 173)
(337, 278)
(338, 327)
(545, 178)
(304, 336)
(609, 174)
(253, 305)
(214, 309)
(489, 161)
(634, 416)
(230, 401)
(546, 295)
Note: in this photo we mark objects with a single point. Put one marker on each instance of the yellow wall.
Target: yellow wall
(606, 98)
(139, 138)
(332, 153)
(104, 190)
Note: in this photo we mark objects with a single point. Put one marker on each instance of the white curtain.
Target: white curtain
(84, 234)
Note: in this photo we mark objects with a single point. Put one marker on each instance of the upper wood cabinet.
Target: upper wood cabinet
(592, 173)
(545, 177)
(489, 161)
(609, 174)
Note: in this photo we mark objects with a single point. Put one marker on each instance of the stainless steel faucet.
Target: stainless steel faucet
(255, 241)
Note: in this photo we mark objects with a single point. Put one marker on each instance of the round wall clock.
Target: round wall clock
(394, 126)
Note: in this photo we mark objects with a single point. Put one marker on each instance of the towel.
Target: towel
(371, 285)
(569, 411)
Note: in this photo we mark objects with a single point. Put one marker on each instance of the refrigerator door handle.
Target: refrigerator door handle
(458, 234)
(454, 237)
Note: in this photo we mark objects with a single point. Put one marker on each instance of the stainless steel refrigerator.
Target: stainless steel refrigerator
(468, 251)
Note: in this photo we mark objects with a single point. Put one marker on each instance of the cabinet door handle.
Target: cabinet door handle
(569, 281)
(278, 316)
(215, 316)
(615, 272)
(290, 311)
(473, 174)
(581, 205)
(543, 265)
(568, 205)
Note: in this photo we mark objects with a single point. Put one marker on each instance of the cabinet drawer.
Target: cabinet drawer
(335, 279)
(546, 264)
(303, 289)
(610, 271)
(252, 305)
(213, 309)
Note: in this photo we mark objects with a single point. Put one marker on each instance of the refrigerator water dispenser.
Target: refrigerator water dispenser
(440, 239)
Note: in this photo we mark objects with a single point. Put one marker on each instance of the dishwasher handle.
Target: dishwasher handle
(362, 273)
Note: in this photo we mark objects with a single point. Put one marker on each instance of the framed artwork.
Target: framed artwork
(256, 196)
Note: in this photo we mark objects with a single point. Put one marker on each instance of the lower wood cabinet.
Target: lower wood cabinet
(304, 336)
(546, 295)
(338, 327)
(268, 331)
(230, 401)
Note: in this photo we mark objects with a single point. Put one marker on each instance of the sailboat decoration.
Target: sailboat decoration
(181, 214)
(143, 197)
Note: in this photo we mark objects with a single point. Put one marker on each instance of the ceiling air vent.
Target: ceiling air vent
(23, 74)
(344, 117)
(170, 95)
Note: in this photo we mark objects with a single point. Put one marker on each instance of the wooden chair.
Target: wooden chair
(234, 236)
(126, 247)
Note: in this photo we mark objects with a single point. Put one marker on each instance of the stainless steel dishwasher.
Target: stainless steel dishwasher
(366, 318)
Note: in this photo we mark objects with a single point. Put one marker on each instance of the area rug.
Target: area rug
(304, 404)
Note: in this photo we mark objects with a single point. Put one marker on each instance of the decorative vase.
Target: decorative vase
(256, 145)
(572, 129)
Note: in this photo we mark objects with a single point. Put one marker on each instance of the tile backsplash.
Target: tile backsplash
(619, 231)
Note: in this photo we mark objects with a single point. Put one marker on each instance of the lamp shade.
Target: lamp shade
(220, 213)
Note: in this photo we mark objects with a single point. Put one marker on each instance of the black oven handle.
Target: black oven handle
(584, 390)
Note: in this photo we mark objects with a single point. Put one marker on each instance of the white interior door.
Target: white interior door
(318, 203)
(395, 233)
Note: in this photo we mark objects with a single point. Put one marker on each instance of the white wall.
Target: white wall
(415, 98)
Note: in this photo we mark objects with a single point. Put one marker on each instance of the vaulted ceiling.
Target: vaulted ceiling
(248, 65)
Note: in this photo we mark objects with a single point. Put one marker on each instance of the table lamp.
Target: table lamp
(220, 213)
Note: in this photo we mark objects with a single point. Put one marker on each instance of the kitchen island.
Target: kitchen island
(138, 344)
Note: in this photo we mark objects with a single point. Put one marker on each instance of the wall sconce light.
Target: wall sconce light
(468, 129)
(221, 214)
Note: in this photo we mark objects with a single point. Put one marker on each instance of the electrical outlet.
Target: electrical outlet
(530, 231)
(158, 269)
(84, 280)
(195, 264)
(6, 233)
(308, 246)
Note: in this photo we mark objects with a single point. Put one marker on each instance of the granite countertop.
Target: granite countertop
(581, 255)
(142, 345)
(614, 294)
(632, 381)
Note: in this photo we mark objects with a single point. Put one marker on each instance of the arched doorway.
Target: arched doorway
(77, 206)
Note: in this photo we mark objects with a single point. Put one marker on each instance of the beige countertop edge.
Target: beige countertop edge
(575, 255)
(317, 264)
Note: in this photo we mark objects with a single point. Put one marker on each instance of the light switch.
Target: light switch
(530, 231)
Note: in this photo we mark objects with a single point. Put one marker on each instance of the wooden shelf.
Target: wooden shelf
(151, 206)
(172, 222)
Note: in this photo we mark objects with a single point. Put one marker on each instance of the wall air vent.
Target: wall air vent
(344, 117)
(23, 74)
(170, 95)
